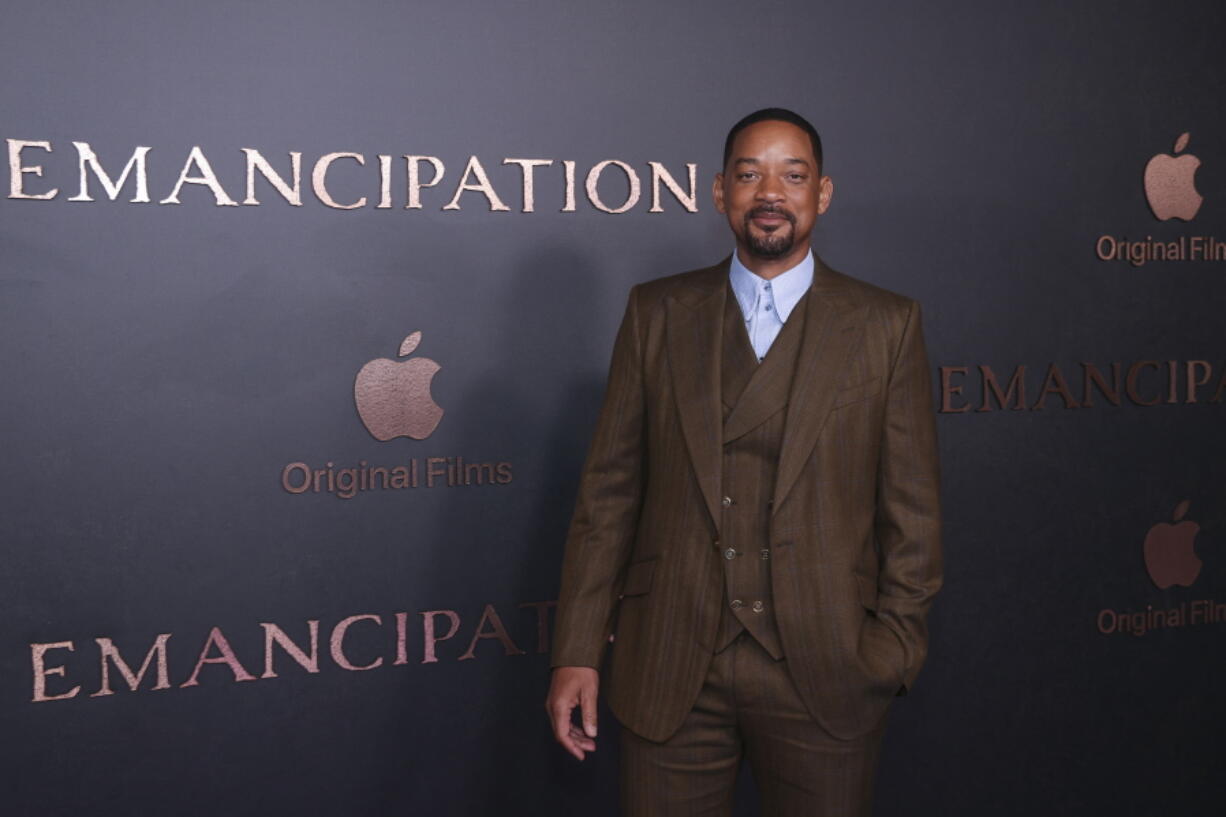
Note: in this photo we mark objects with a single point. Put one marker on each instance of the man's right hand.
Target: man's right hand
(571, 687)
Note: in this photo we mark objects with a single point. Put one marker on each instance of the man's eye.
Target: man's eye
(796, 177)
(746, 176)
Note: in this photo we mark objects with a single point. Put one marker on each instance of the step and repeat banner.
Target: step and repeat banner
(306, 310)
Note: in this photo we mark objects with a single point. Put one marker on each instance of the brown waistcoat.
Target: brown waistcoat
(754, 396)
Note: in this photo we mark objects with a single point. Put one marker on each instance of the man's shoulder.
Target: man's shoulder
(860, 291)
(688, 287)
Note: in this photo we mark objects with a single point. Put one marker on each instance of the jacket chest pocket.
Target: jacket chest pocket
(857, 392)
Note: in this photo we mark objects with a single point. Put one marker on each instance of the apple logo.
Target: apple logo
(1169, 555)
(1169, 185)
(394, 399)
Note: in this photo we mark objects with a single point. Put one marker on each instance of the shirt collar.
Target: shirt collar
(786, 289)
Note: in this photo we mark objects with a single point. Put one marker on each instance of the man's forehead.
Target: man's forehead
(750, 160)
(761, 137)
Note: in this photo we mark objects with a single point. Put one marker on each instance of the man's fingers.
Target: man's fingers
(560, 715)
(581, 740)
(573, 748)
(573, 687)
(567, 734)
(587, 705)
(570, 746)
(564, 732)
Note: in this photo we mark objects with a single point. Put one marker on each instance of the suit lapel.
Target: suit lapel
(694, 329)
(833, 326)
(770, 381)
(738, 363)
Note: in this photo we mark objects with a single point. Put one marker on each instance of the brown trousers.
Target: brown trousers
(748, 707)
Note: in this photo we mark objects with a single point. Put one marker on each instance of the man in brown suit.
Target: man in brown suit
(757, 531)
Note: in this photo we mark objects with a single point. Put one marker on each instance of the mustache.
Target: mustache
(769, 210)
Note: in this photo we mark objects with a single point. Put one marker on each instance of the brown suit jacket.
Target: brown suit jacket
(855, 520)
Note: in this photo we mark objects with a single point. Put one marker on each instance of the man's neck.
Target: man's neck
(768, 268)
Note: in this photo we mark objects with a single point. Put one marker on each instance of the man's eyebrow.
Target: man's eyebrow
(750, 161)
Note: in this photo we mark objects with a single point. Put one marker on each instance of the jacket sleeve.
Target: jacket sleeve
(908, 517)
(606, 514)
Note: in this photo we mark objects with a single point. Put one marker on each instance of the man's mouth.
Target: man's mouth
(768, 218)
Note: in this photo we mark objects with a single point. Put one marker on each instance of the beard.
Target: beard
(771, 245)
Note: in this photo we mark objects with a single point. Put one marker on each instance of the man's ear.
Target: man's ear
(717, 192)
(824, 194)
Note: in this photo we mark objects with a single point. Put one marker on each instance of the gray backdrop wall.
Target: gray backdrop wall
(188, 486)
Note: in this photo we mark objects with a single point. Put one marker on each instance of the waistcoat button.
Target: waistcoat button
(730, 554)
(758, 607)
(737, 604)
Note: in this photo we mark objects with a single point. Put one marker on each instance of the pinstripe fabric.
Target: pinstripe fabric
(854, 528)
(754, 397)
(749, 709)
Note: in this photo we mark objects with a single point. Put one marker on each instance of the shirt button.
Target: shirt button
(758, 607)
(737, 604)
(766, 554)
(726, 501)
(730, 554)
(767, 307)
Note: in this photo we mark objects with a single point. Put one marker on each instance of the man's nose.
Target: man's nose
(770, 189)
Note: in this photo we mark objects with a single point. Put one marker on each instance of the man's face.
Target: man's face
(772, 192)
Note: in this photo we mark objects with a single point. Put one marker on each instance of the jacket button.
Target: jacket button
(730, 554)
(758, 607)
(737, 604)
(726, 501)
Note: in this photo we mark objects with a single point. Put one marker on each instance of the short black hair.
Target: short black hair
(775, 115)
